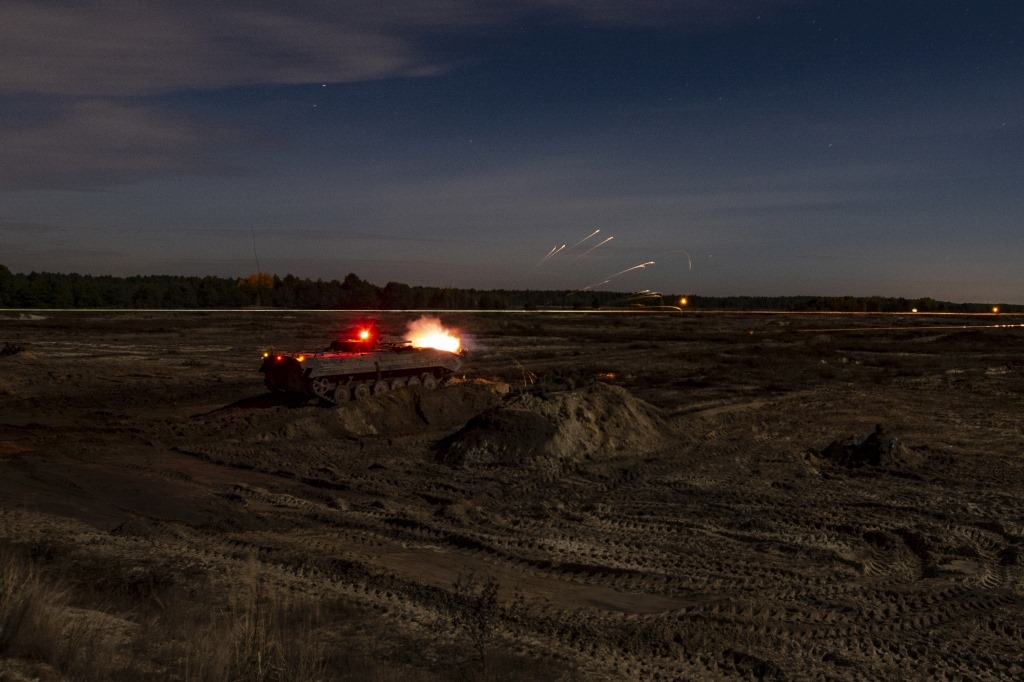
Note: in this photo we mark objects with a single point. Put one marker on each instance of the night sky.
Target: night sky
(772, 147)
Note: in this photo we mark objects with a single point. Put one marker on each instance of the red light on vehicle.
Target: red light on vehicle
(278, 358)
(364, 334)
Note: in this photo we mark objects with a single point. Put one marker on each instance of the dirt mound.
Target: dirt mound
(557, 433)
(10, 349)
(403, 412)
(410, 410)
(879, 449)
(304, 441)
(17, 373)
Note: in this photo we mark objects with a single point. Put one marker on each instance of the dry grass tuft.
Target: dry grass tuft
(258, 634)
(235, 627)
(37, 623)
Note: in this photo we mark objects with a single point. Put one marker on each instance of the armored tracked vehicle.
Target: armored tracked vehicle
(358, 366)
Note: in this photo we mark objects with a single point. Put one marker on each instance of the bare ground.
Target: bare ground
(674, 520)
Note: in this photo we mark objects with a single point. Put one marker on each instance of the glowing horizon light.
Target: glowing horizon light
(428, 332)
(995, 309)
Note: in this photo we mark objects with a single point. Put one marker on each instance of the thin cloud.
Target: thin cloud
(29, 228)
(309, 234)
(139, 47)
(73, 72)
(96, 143)
(133, 48)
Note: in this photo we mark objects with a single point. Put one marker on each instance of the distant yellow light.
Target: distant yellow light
(913, 310)
(266, 355)
(683, 301)
(301, 358)
(995, 309)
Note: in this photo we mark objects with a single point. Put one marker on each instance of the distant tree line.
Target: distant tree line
(848, 304)
(53, 290)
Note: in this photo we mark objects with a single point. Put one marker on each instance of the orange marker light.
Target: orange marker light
(301, 358)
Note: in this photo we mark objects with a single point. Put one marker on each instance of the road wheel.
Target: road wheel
(429, 382)
(341, 394)
(380, 388)
(361, 392)
(322, 388)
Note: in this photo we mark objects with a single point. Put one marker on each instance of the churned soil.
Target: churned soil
(693, 496)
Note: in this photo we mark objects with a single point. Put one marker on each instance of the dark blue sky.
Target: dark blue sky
(764, 147)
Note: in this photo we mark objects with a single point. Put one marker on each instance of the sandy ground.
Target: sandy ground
(674, 520)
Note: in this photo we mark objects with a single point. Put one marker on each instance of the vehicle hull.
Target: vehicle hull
(335, 376)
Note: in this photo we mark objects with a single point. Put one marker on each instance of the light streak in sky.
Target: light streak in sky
(594, 247)
(611, 277)
(689, 261)
(646, 294)
(552, 252)
(635, 267)
(584, 239)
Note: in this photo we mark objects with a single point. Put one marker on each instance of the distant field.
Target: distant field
(674, 516)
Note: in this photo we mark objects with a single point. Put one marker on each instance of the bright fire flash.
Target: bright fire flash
(428, 332)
